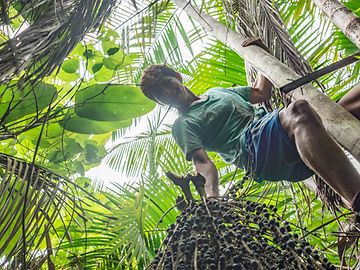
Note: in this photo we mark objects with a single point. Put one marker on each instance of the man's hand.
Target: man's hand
(207, 169)
(255, 41)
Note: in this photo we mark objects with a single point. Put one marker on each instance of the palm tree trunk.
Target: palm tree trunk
(342, 17)
(340, 124)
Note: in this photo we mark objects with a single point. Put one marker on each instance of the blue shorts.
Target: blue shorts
(272, 155)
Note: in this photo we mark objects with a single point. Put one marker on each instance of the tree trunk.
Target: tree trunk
(341, 125)
(342, 17)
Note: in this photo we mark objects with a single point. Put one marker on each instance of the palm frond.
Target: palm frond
(138, 154)
(261, 18)
(215, 66)
(54, 28)
(131, 228)
(320, 43)
(33, 200)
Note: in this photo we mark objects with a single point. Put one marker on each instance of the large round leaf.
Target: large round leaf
(109, 46)
(71, 65)
(67, 77)
(81, 125)
(21, 102)
(104, 74)
(79, 49)
(117, 61)
(95, 67)
(104, 102)
(50, 136)
(95, 62)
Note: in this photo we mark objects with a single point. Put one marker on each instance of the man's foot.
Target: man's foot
(199, 183)
(181, 203)
(183, 183)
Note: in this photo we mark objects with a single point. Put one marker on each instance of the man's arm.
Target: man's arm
(261, 91)
(206, 168)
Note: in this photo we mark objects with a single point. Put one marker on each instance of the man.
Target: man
(289, 144)
(351, 101)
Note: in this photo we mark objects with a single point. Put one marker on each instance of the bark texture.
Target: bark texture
(341, 125)
(342, 17)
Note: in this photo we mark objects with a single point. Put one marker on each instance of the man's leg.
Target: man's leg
(318, 150)
(351, 101)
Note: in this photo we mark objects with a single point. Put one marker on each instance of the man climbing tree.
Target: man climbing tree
(351, 101)
(288, 144)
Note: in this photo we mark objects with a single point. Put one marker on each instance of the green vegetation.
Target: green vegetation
(65, 94)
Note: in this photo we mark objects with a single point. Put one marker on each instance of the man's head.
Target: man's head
(163, 85)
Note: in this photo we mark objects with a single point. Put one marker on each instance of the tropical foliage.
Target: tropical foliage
(69, 85)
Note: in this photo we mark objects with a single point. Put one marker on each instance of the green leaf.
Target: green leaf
(91, 153)
(3, 38)
(71, 65)
(78, 167)
(109, 34)
(96, 67)
(118, 102)
(83, 182)
(57, 156)
(50, 135)
(104, 75)
(117, 61)
(78, 50)
(109, 45)
(16, 21)
(88, 53)
(72, 146)
(95, 63)
(112, 51)
(22, 102)
(67, 77)
(82, 125)
(299, 9)
(94, 152)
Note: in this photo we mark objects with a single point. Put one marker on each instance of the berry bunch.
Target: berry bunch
(227, 233)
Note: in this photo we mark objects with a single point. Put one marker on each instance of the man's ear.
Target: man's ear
(178, 76)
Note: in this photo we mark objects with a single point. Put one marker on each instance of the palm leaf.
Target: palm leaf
(321, 43)
(38, 50)
(216, 66)
(141, 153)
(261, 18)
(33, 200)
(130, 228)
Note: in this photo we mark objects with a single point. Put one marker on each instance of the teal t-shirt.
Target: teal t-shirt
(217, 123)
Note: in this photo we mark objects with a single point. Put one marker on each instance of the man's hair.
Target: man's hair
(151, 79)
